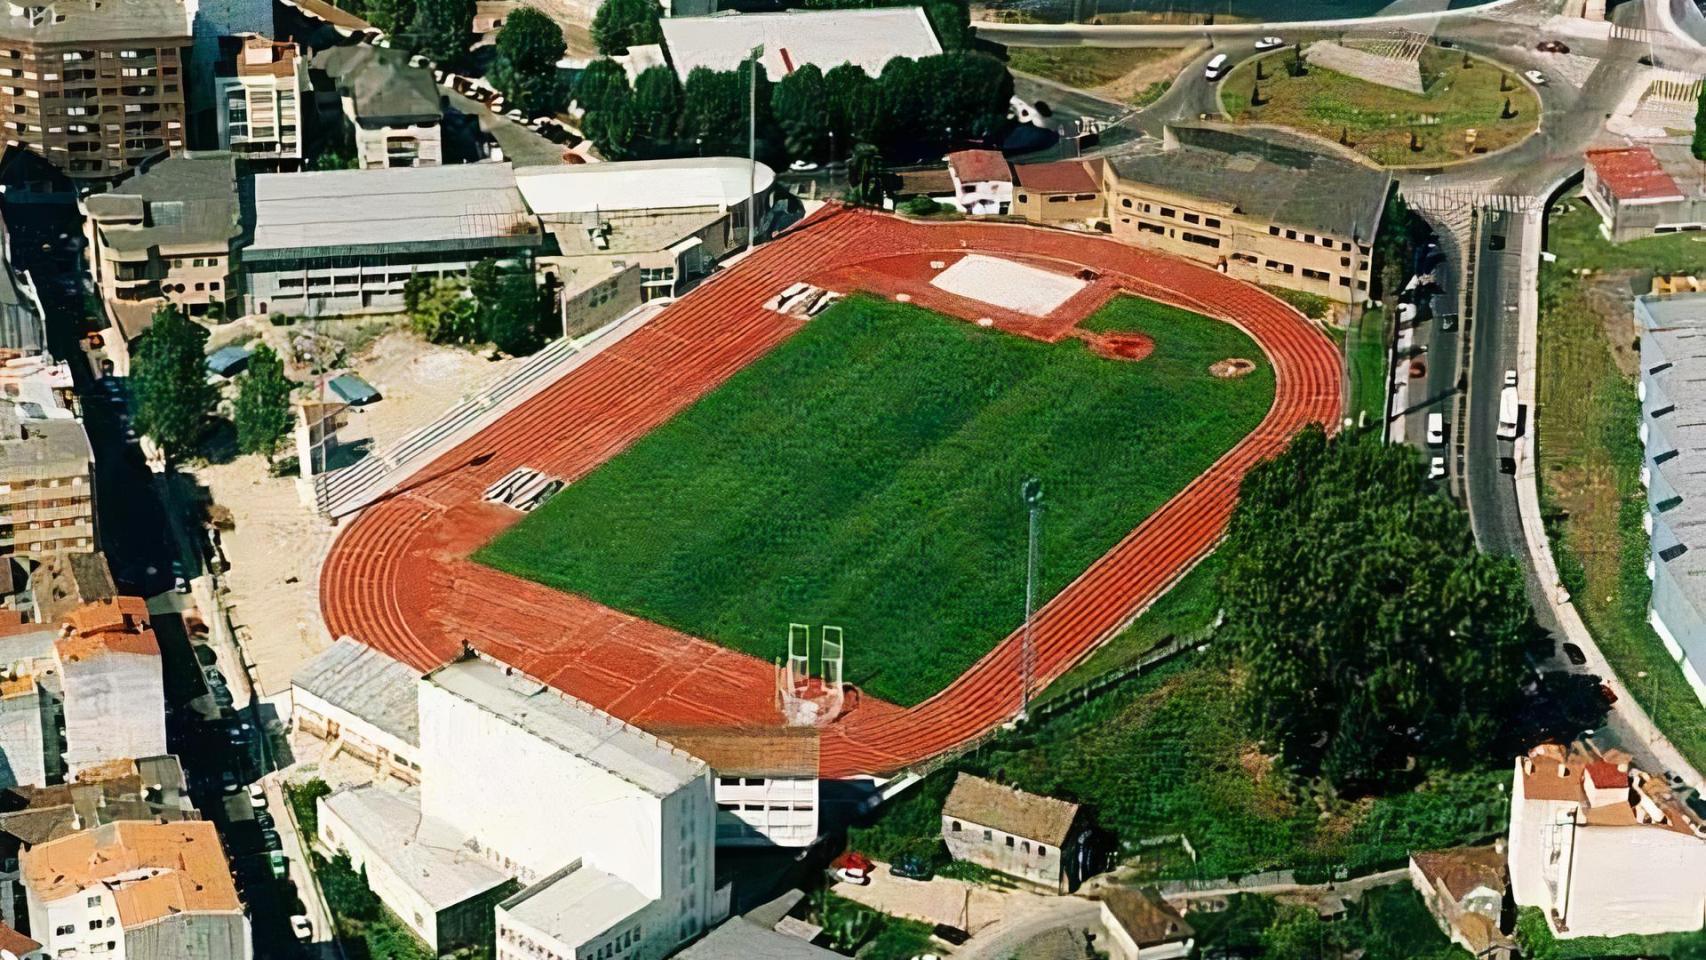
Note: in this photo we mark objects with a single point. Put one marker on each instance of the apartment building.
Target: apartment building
(138, 890)
(114, 686)
(1272, 210)
(390, 107)
(47, 504)
(258, 95)
(95, 86)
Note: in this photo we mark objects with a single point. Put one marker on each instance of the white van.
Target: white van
(1216, 68)
(1436, 429)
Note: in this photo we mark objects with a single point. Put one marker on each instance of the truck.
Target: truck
(1436, 430)
(1510, 413)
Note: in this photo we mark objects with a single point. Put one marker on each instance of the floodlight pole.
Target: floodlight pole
(1031, 491)
(752, 145)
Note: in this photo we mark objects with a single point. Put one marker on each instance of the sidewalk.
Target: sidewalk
(324, 946)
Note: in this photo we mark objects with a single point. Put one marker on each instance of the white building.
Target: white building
(766, 783)
(258, 100)
(115, 694)
(392, 108)
(1603, 849)
(1142, 926)
(867, 38)
(983, 182)
(364, 702)
(136, 890)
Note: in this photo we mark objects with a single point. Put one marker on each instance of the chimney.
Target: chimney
(1499, 846)
(1563, 769)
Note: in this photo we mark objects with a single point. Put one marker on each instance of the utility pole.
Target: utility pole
(752, 145)
(1031, 492)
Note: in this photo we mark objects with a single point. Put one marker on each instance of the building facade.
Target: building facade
(389, 107)
(1645, 190)
(1464, 888)
(1021, 834)
(1269, 212)
(46, 465)
(1603, 849)
(363, 701)
(95, 86)
(115, 694)
(258, 96)
(1062, 192)
(983, 183)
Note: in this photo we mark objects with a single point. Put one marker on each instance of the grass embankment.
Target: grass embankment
(1083, 67)
(1169, 753)
(1385, 923)
(1538, 943)
(1366, 355)
(866, 473)
(1377, 121)
(1590, 457)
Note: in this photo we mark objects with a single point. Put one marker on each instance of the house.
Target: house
(1465, 889)
(115, 694)
(866, 37)
(67, 580)
(1142, 926)
(365, 703)
(983, 183)
(1274, 209)
(138, 890)
(390, 107)
(1064, 191)
(1020, 834)
(766, 786)
(258, 95)
(1602, 848)
(1640, 191)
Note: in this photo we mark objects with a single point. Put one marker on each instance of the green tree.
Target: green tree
(484, 278)
(657, 105)
(620, 24)
(391, 16)
(713, 113)
(442, 29)
(1699, 146)
(1299, 933)
(865, 175)
(602, 94)
(800, 104)
(446, 313)
(1371, 631)
(168, 381)
(261, 411)
(951, 20)
(515, 314)
(525, 68)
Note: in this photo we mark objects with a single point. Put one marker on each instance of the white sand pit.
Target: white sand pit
(1004, 283)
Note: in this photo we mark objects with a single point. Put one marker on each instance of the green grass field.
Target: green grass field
(1083, 66)
(865, 473)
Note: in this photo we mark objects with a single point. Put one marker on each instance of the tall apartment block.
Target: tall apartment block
(95, 86)
(258, 101)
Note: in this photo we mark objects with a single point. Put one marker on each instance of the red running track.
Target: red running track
(399, 578)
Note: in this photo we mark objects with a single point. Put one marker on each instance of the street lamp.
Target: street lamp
(1031, 492)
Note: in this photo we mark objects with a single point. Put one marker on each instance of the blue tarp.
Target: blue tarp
(228, 361)
(353, 390)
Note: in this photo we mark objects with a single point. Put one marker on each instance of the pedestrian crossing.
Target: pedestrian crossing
(1443, 200)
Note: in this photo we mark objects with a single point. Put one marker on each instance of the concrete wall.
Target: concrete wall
(766, 811)
(397, 894)
(115, 708)
(983, 197)
(1057, 207)
(390, 753)
(372, 144)
(320, 290)
(1013, 855)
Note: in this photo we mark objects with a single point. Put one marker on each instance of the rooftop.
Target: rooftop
(118, 625)
(89, 21)
(427, 855)
(653, 185)
(152, 870)
(741, 938)
(65, 581)
(186, 200)
(1010, 810)
(1463, 870)
(151, 788)
(867, 37)
(1633, 173)
(258, 56)
(398, 209)
(1061, 176)
(1277, 178)
(35, 449)
(384, 90)
(576, 903)
(765, 752)
(1552, 772)
(980, 166)
(623, 750)
(367, 683)
(1148, 919)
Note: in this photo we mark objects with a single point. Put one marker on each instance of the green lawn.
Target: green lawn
(1083, 67)
(1590, 464)
(1376, 120)
(866, 472)
(1539, 944)
(1366, 356)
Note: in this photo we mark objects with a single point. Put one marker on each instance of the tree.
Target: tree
(446, 313)
(801, 106)
(261, 412)
(602, 94)
(951, 20)
(514, 315)
(1370, 630)
(657, 106)
(713, 112)
(865, 176)
(851, 97)
(483, 280)
(1299, 933)
(620, 24)
(442, 29)
(1699, 146)
(391, 16)
(168, 380)
(525, 69)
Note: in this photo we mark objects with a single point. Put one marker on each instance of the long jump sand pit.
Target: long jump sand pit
(1016, 286)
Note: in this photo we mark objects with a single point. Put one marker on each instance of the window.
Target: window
(1025, 847)
(1273, 231)
(988, 835)
(1211, 222)
(954, 826)
(1192, 218)
(1023, 198)
(1291, 234)
(1309, 238)
(95, 924)
(1009, 841)
(1125, 201)
(1344, 261)
(65, 930)
(1169, 212)
(93, 902)
(1316, 274)
(968, 188)
(1041, 850)
(1149, 227)
(728, 781)
(1199, 238)
(1344, 281)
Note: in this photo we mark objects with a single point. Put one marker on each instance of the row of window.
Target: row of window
(1024, 846)
(1212, 223)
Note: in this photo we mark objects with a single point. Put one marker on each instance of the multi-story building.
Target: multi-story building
(1601, 848)
(95, 86)
(391, 109)
(164, 237)
(48, 503)
(115, 695)
(1271, 209)
(137, 890)
(258, 97)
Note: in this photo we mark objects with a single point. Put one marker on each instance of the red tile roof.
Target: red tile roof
(1633, 173)
(1062, 176)
(1605, 775)
(977, 166)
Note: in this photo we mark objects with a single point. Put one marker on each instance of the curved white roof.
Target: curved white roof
(719, 182)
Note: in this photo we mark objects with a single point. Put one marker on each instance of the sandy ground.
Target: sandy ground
(1140, 78)
(969, 906)
(274, 554)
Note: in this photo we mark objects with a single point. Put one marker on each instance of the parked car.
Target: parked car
(1507, 465)
(1436, 468)
(1510, 378)
(258, 796)
(300, 926)
(269, 838)
(1535, 77)
(1552, 46)
(1574, 654)
(264, 820)
(279, 865)
(1608, 695)
(1216, 68)
(1269, 43)
(227, 782)
(852, 867)
(911, 867)
(1674, 780)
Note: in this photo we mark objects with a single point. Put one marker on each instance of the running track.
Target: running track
(399, 578)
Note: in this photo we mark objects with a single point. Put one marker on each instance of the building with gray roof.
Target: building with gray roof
(392, 108)
(790, 39)
(1672, 390)
(1266, 207)
(23, 328)
(363, 701)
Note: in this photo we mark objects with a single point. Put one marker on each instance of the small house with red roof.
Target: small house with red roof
(983, 182)
(1644, 190)
(1061, 192)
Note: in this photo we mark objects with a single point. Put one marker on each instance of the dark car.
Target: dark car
(1507, 465)
(1574, 654)
(911, 867)
(1608, 695)
(1552, 46)
(1496, 241)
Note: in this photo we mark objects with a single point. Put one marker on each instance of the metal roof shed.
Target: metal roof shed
(228, 361)
(353, 390)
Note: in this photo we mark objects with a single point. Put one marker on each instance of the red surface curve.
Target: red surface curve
(399, 578)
